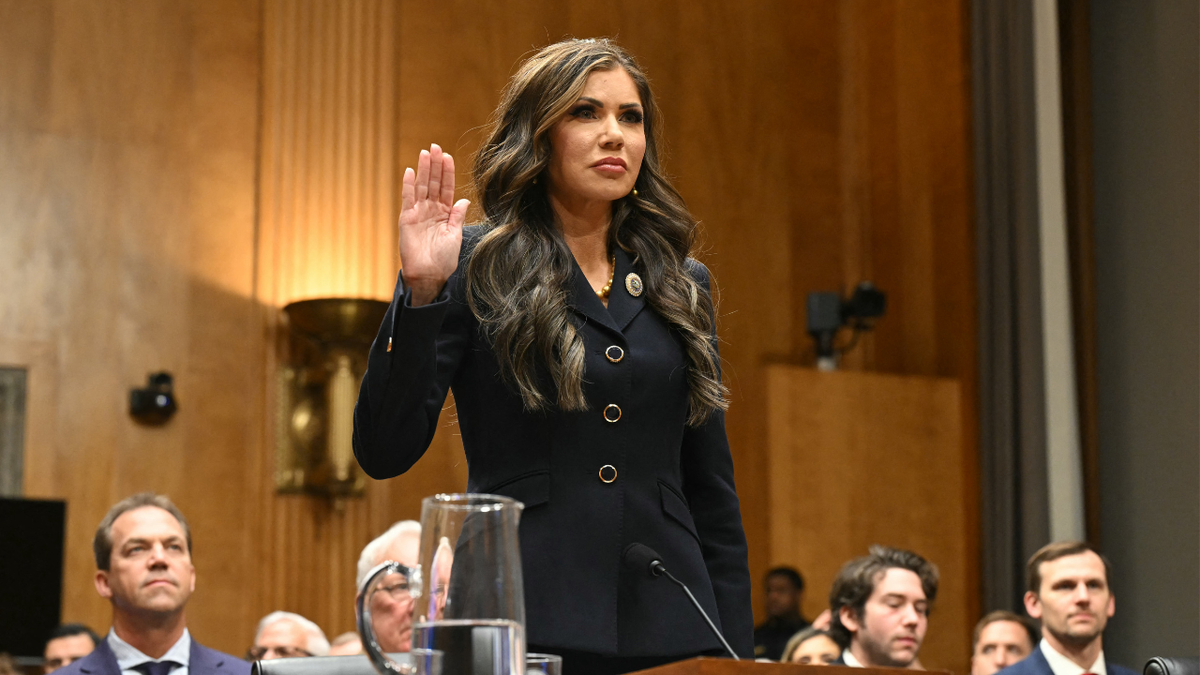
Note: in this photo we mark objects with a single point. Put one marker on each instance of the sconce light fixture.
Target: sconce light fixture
(325, 357)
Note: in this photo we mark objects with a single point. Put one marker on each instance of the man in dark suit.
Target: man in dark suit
(785, 591)
(1068, 591)
(143, 551)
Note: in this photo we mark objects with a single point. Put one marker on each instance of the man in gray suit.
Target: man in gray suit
(143, 551)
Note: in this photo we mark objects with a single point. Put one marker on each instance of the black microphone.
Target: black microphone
(643, 558)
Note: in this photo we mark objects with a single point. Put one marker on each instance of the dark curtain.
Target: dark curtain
(1012, 399)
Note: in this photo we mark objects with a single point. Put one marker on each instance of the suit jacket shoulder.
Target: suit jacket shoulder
(1115, 669)
(205, 661)
(101, 661)
(1034, 664)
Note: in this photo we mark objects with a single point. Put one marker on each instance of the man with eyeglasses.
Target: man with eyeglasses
(283, 635)
(392, 604)
(143, 551)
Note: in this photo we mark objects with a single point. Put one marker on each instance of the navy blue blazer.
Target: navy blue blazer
(201, 661)
(1036, 664)
(674, 486)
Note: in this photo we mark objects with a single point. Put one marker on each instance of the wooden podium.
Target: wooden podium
(858, 458)
(711, 666)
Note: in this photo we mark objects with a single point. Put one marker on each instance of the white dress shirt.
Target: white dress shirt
(847, 658)
(1060, 664)
(130, 657)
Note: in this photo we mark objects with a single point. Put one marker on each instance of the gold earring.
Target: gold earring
(635, 192)
(535, 181)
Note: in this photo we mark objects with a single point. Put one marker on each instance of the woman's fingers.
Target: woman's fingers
(435, 171)
(408, 190)
(447, 195)
(422, 181)
(432, 181)
(458, 214)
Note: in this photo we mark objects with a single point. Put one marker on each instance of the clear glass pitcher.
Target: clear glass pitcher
(465, 600)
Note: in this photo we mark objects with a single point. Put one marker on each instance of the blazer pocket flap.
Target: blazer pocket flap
(530, 489)
(674, 506)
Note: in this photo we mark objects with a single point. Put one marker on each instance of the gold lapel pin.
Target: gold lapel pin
(633, 284)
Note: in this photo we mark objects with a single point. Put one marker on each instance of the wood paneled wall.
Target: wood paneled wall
(148, 222)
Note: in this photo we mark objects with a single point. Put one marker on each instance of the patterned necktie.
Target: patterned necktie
(156, 667)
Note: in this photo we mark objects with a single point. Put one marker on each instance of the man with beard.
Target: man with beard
(1069, 593)
(880, 608)
(143, 551)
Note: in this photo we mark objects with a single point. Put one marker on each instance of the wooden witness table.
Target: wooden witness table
(713, 666)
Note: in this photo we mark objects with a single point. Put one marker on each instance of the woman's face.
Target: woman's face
(597, 147)
(818, 650)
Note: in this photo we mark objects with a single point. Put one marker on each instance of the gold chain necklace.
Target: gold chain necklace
(612, 271)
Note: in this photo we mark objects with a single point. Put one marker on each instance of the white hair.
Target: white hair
(316, 643)
(372, 553)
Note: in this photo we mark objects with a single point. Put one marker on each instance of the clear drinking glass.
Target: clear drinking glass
(537, 664)
(474, 610)
(465, 600)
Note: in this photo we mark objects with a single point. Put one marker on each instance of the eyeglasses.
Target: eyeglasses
(398, 590)
(284, 652)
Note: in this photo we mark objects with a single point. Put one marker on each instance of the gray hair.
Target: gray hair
(316, 643)
(372, 553)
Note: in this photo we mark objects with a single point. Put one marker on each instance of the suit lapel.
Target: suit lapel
(623, 306)
(583, 299)
(204, 660)
(101, 661)
(1040, 659)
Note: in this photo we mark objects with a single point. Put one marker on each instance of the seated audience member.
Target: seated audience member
(1068, 592)
(880, 606)
(391, 605)
(143, 551)
(785, 590)
(282, 635)
(812, 647)
(346, 644)
(67, 643)
(1001, 639)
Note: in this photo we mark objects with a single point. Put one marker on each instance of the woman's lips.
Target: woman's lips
(610, 165)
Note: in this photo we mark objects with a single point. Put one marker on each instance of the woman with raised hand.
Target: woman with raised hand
(578, 336)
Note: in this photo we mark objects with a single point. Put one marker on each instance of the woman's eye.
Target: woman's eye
(633, 117)
(585, 112)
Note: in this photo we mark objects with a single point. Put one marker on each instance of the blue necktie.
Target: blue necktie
(156, 667)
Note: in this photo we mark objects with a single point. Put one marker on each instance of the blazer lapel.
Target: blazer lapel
(622, 305)
(204, 660)
(101, 661)
(583, 299)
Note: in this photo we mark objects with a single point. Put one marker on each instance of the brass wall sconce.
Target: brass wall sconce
(325, 358)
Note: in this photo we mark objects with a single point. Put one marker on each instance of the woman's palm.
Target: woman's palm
(430, 224)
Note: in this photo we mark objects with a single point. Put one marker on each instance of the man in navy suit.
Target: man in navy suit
(1069, 593)
(143, 551)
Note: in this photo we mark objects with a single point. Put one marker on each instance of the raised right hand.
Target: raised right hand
(430, 225)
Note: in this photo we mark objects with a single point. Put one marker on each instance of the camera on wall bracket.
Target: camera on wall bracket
(828, 313)
(155, 404)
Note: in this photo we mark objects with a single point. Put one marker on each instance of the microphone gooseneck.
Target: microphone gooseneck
(643, 558)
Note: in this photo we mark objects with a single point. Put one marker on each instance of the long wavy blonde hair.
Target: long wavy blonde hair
(518, 277)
